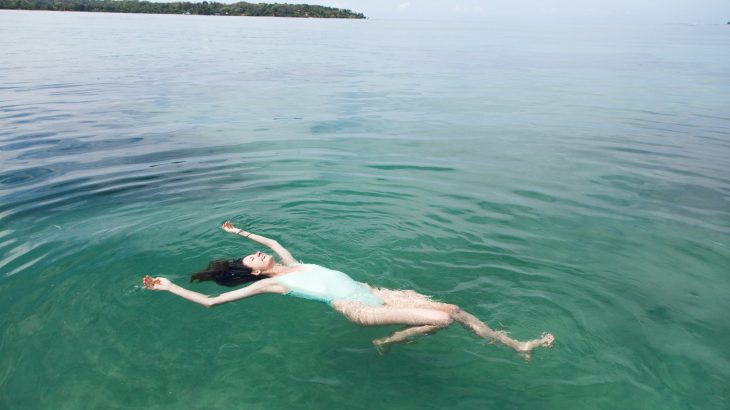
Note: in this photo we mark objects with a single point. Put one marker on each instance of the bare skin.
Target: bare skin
(418, 313)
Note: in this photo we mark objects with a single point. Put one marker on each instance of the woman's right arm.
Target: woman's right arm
(283, 253)
(256, 288)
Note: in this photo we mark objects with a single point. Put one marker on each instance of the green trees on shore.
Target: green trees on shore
(204, 8)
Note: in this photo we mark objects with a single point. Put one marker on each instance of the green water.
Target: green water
(563, 179)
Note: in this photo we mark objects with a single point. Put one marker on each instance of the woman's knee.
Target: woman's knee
(450, 309)
(443, 319)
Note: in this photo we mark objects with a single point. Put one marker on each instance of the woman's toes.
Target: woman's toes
(380, 346)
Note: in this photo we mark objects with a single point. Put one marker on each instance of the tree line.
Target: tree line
(204, 8)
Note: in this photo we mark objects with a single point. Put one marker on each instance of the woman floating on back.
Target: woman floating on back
(358, 302)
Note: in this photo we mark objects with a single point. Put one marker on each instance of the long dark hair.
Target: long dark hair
(227, 273)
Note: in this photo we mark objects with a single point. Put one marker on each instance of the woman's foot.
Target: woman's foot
(547, 340)
(525, 349)
(381, 345)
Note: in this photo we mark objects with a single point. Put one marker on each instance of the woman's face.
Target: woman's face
(259, 262)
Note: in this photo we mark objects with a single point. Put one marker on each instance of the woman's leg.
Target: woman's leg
(420, 320)
(481, 329)
(410, 298)
(426, 316)
(402, 335)
(367, 315)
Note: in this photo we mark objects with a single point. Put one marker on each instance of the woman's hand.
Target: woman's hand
(228, 227)
(156, 283)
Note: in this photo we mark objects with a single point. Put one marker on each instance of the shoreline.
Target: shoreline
(185, 15)
(186, 8)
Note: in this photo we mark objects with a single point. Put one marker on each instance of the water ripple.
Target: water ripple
(487, 177)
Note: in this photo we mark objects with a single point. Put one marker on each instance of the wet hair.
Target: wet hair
(227, 273)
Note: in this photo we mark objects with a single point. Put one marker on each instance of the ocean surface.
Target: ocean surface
(563, 178)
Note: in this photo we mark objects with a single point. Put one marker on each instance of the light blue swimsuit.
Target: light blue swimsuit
(326, 285)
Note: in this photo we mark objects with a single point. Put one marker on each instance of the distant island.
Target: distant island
(204, 8)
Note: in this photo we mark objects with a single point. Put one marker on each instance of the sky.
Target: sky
(654, 11)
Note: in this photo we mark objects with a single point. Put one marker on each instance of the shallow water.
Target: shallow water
(572, 179)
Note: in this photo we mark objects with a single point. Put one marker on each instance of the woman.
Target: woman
(357, 301)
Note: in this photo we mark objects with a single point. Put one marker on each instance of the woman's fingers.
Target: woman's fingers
(227, 225)
(151, 283)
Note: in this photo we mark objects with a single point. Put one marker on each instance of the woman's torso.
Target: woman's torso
(325, 285)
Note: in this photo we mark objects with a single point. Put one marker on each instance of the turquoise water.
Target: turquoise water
(563, 178)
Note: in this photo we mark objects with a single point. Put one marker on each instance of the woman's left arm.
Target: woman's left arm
(283, 253)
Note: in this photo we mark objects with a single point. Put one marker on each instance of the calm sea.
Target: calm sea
(564, 178)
